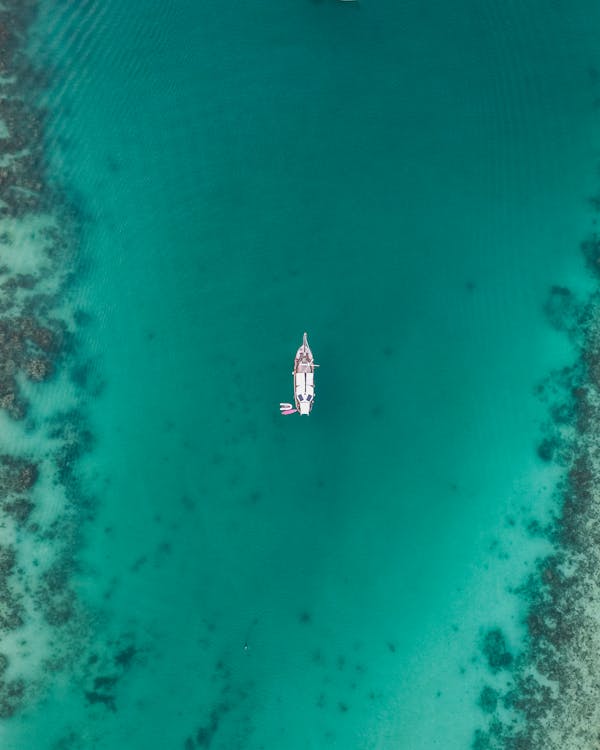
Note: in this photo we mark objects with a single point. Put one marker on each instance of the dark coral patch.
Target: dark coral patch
(531, 697)
(546, 449)
(488, 700)
(105, 683)
(125, 657)
(11, 608)
(16, 474)
(12, 694)
(20, 509)
(495, 650)
(205, 735)
(562, 309)
(591, 252)
(55, 595)
(104, 699)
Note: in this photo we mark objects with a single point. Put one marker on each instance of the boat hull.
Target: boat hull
(304, 378)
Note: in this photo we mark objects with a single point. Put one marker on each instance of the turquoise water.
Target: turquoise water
(405, 182)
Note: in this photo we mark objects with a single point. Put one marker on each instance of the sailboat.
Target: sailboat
(304, 381)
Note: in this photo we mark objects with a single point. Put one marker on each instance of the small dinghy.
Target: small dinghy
(304, 381)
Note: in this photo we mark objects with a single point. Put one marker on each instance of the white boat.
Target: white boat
(304, 381)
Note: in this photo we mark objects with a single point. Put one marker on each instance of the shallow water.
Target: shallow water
(406, 183)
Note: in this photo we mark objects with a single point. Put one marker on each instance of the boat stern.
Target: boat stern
(304, 407)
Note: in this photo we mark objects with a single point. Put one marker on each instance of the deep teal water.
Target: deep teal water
(404, 181)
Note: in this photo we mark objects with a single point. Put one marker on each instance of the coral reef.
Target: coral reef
(38, 238)
(553, 694)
